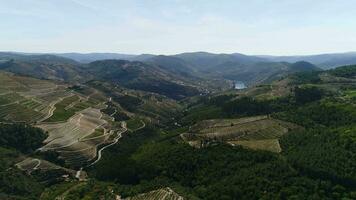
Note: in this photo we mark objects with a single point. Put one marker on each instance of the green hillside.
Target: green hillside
(292, 138)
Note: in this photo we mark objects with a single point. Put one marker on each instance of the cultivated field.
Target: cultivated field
(160, 194)
(31, 164)
(73, 119)
(24, 99)
(77, 139)
(268, 144)
(260, 132)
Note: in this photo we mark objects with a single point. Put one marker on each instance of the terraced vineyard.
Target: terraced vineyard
(31, 164)
(74, 121)
(78, 138)
(260, 132)
(68, 106)
(160, 194)
(23, 99)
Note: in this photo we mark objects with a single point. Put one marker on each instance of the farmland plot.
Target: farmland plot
(16, 112)
(260, 132)
(77, 139)
(74, 122)
(160, 194)
(31, 164)
(79, 126)
(21, 98)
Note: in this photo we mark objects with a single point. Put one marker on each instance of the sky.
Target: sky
(254, 27)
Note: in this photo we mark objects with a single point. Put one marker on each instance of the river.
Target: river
(239, 85)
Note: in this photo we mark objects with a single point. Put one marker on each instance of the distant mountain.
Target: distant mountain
(203, 60)
(142, 76)
(5, 56)
(248, 69)
(325, 61)
(157, 75)
(43, 66)
(142, 57)
(172, 64)
(262, 72)
(188, 68)
(90, 57)
(302, 66)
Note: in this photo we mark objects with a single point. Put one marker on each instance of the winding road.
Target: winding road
(119, 135)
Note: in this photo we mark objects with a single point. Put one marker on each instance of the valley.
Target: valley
(177, 100)
(146, 131)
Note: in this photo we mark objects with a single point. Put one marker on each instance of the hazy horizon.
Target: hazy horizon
(137, 54)
(269, 27)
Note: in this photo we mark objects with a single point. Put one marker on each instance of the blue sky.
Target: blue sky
(277, 27)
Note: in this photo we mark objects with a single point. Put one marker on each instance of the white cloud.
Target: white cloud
(178, 26)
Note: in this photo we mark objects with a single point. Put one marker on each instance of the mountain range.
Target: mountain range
(324, 61)
(175, 76)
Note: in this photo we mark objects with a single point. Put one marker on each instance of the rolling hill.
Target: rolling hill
(43, 67)
(179, 70)
(173, 65)
(159, 78)
(265, 141)
(142, 76)
(251, 70)
(91, 57)
(203, 61)
(325, 61)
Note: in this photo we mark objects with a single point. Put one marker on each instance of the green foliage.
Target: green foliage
(14, 182)
(306, 77)
(167, 88)
(113, 111)
(21, 137)
(118, 157)
(52, 156)
(61, 113)
(91, 190)
(307, 94)
(212, 173)
(56, 190)
(201, 112)
(345, 71)
(326, 113)
(322, 153)
(216, 100)
(134, 124)
(246, 106)
(141, 76)
(128, 102)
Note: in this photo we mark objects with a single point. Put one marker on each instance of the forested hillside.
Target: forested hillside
(124, 134)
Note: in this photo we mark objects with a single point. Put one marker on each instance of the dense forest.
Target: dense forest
(21, 137)
(149, 161)
(15, 140)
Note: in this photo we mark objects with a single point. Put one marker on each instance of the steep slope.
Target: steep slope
(141, 76)
(45, 70)
(302, 66)
(164, 75)
(42, 66)
(251, 70)
(256, 73)
(204, 60)
(172, 64)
